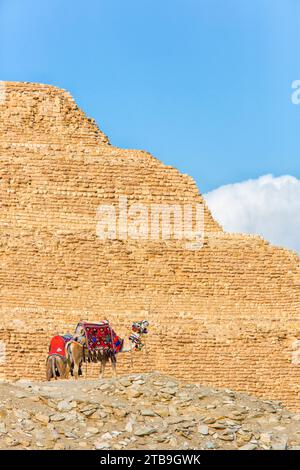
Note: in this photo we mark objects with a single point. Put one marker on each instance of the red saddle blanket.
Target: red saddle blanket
(57, 345)
(100, 337)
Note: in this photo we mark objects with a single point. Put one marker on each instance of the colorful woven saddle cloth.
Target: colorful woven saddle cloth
(100, 337)
(58, 344)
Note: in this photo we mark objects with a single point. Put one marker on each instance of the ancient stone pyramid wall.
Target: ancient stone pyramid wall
(226, 315)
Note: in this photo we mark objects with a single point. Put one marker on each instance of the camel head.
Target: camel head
(79, 335)
(134, 342)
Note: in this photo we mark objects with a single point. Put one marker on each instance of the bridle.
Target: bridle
(138, 329)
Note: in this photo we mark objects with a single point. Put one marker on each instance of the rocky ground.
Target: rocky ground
(147, 411)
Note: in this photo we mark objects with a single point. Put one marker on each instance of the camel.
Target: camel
(75, 349)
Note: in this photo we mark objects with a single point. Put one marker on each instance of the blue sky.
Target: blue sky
(204, 85)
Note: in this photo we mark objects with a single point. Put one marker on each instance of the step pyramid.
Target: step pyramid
(225, 314)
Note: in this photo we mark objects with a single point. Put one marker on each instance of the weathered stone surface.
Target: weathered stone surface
(248, 447)
(3, 428)
(148, 412)
(57, 417)
(203, 429)
(144, 431)
(101, 445)
(43, 418)
(65, 405)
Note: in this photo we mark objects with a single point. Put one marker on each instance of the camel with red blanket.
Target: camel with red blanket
(97, 342)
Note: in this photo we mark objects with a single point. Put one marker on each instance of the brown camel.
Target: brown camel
(75, 350)
(56, 366)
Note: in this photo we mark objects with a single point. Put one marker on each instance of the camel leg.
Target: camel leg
(76, 362)
(114, 366)
(54, 367)
(69, 362)
(67, 371)
(48, 369)
(75, 370)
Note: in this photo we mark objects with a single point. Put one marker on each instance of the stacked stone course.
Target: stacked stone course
(226, 315)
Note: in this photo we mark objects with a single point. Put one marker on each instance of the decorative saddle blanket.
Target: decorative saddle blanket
(57, 345)
(100, 337)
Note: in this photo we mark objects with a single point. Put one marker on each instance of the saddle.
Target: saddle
(100, 339)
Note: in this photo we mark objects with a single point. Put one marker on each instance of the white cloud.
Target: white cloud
(268, 206)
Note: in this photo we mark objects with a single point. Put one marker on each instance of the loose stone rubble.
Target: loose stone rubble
(146, 411)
